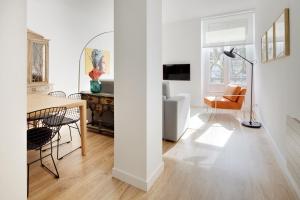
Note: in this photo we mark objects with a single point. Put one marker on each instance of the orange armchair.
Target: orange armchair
(227, 101)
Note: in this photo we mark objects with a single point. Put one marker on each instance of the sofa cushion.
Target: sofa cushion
(176, 116)
(232, 90)
(107, 86)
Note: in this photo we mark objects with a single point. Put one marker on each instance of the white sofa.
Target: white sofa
(176, 114)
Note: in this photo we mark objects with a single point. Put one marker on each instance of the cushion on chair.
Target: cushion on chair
(54, 122)
(232, 90)
(221, 103)
(241, 99)
(37, 137)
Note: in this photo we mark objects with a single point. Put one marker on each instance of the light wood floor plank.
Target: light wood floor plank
(217, 160)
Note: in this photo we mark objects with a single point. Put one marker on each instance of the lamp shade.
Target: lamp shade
(230, 53)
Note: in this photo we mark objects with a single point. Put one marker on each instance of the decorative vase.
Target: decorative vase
(95, 86)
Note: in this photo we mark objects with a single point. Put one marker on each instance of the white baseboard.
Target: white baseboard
(279, 157)
(151, 180)
(138, 182)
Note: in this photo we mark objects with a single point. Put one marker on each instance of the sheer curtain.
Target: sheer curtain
(230, 30)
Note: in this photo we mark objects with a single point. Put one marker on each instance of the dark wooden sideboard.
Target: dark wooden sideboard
(101, 106)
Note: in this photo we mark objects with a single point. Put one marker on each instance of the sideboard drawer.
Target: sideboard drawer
(91, 99)
(107, 101)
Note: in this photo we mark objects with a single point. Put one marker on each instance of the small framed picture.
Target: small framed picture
(264, 48)
(282, 35)
(270, 44)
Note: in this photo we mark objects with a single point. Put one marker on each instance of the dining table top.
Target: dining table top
(41, 101)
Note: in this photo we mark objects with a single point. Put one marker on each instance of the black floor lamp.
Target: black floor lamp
(250, 123)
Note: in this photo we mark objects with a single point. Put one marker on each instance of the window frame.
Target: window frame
(212, 88)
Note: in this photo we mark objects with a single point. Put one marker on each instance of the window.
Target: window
(216, 66)
(238, 68)
(223, 70)
(224, 33)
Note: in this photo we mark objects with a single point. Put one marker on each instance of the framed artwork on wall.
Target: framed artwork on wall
(264, 48)
(270, 44)
(282, 35)
(97, 58)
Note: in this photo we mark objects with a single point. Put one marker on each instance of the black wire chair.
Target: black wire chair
(71, 118)
(40, 134)
(58, 94)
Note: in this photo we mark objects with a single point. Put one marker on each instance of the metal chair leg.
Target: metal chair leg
(41, 156)
(213, 114)
(56, 175)
(60, 158)
(57, 147)
(78, 129)
(70, 133)
(27, 180)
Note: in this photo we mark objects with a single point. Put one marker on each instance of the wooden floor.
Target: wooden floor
(215, 159)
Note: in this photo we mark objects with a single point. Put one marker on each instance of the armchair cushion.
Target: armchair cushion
(221, 103)
(225, 103)
(232, 90)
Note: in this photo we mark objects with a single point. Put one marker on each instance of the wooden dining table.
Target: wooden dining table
(40, 101)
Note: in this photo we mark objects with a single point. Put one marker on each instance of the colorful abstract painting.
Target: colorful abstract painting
(97, 59)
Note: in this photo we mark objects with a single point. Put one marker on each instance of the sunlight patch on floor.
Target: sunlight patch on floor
(196, 122)
(216, 136)
(188, 133)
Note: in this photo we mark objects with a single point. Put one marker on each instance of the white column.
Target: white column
(138, 92)
(13, 99)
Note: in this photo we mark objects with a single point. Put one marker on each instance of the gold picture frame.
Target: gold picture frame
(275, 42)
(270, 44)
(282, 35)
(264, 48)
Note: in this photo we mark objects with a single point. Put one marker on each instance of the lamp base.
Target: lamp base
(251, 124)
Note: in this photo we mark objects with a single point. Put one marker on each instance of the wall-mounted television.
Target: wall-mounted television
(176, 72)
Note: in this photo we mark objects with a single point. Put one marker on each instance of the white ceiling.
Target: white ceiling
(178, 10)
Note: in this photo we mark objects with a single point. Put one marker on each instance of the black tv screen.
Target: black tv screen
(176, 72)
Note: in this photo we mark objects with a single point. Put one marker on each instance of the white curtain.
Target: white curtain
(229, 30)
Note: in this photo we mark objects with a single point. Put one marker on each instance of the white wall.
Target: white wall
(69, 24)
(182, 44)
(13, 99)
(277, 83)
(138, 102)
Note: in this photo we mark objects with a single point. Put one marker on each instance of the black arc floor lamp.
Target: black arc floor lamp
(251, 123)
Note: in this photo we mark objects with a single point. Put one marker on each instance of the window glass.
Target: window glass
(216, 66)
(225, 70)
(238, 68)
